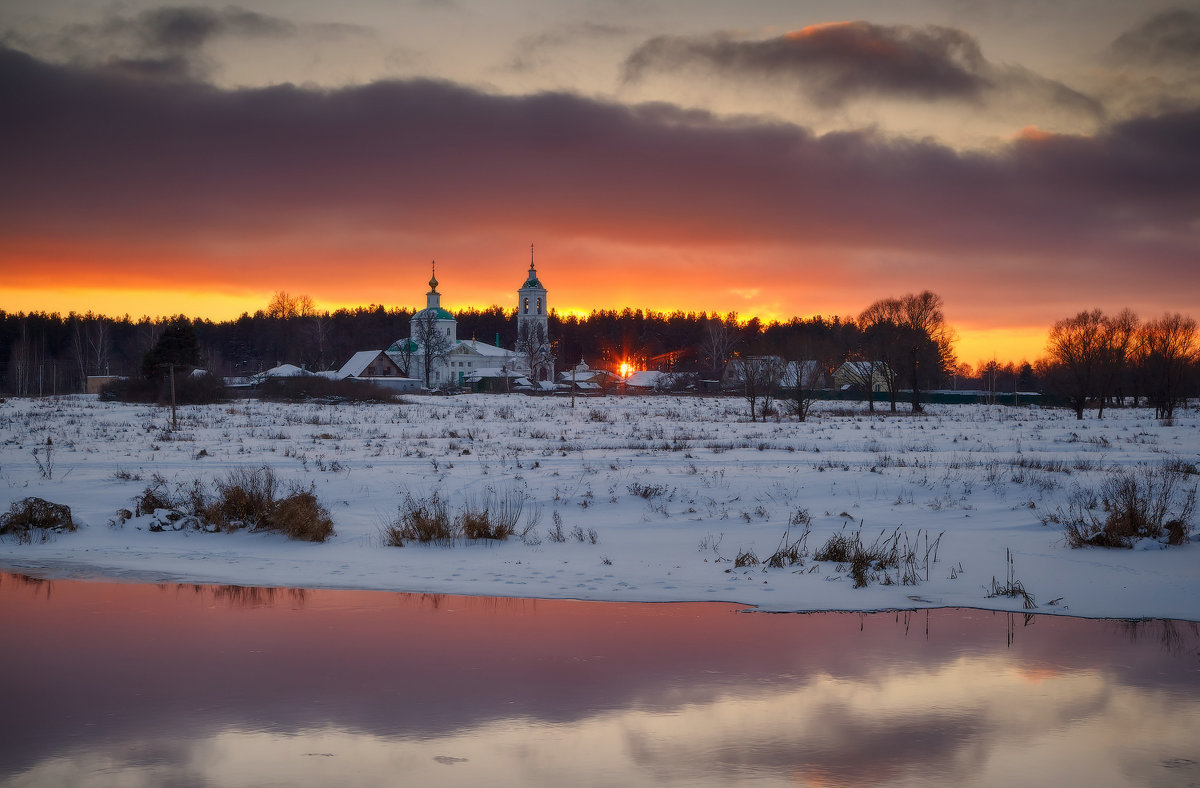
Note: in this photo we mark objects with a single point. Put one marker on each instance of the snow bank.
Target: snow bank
(675, 488)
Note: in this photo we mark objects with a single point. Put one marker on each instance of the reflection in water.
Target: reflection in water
(1175, 637)
(117, 684)
(246, 596)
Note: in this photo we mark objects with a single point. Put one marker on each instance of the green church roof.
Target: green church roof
(403, 346)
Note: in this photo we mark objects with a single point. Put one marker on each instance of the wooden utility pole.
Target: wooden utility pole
(174, 415)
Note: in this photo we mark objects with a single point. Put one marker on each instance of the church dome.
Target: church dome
(435, 311)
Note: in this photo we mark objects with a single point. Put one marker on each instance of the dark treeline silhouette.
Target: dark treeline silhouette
(897, 344)
(1096, 361)
(48, 353)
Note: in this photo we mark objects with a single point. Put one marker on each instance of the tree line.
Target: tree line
(902, 344)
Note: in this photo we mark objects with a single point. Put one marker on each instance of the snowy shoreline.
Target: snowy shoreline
(674, 488)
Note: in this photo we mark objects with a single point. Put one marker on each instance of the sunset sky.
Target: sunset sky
(1025, 160)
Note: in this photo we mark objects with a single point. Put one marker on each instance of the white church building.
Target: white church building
(455, 363)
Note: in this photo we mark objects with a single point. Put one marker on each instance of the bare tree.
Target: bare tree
(1075, 349)
(799, 380)
(90, 346)
(284, 306)
(21, 362)
(79, 351)
(1166, 351)
(99, 344)
(861, 372)
(927, 342)
(281, 306)
(879, 350)
(1119, 337)
(759, 378)
(403, 353)
(717, 343)
(433, 346)
(531, 344)
(318, 329)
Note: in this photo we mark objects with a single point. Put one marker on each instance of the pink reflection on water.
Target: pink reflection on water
(101, 662)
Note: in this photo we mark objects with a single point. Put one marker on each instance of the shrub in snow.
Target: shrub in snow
(35, 518)
(156, 496)
(423, 520)
(556, 534)
(301, 516)
(496, 517)
(647, 491)
(1155, 502)
(246, 498)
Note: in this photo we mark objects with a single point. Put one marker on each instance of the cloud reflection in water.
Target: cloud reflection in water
(378, 689)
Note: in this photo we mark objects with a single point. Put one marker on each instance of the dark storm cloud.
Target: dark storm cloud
(834, 61)
(169, 42)
(189, 27)
(839, 62)
(1171, 37)
(174, 30)
(91, 154)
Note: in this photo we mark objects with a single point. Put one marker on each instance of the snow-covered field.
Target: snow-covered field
(672, 489)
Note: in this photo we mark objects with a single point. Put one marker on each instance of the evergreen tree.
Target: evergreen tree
(177, 345)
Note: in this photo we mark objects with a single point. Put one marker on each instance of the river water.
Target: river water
(123, 684)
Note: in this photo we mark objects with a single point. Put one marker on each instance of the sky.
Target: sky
(1024, 160)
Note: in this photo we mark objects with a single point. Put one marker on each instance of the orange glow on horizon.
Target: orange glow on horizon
(1010, 343)
(975, 343)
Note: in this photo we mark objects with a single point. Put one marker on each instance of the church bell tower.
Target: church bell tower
(533, 324)
(532, 312)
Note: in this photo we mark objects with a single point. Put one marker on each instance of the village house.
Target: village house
(774, 369)
(858, 374)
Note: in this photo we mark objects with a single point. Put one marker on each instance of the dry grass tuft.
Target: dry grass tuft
(301, 516)
(1147, 503)
(891, 558)
(746, 558)
(35, 519)
(245, 499)
(425, 520)
(496, 517)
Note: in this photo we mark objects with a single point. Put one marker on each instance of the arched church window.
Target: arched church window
(526, 304)
(539, 306)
